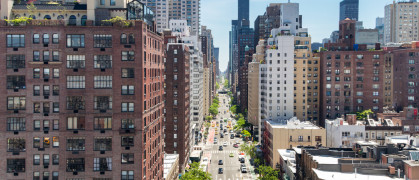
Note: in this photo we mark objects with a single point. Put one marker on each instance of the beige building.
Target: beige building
(207, 100)
(306, 80)
(285, 136)
(401, 22)
(171, 166)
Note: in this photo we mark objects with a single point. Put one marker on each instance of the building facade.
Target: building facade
(400, 22)
(177, 123)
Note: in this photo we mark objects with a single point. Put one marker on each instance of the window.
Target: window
(55, 141)
(16, 124)
(75, 144)
(360, 56)
(127, 124)
(55, 56)
(103, 82)
(56, 124)
(375, 93)
(36, 56)
(76, 61)
(127, 158)
(75, 103)
(127, 141)
(36, 38)
(16, 82)
(15, 165)
(318, 138)
(102, 2)
(128, 56)
(127, 72)
(127, 90)
(16, 145)
(55, 90)
(36, 125)
(36, 175)
(15, 61)
(46, 73)
(55, 159)
(102, 41)
(103, 61)
(103, 144)
(55, 175)
(55, 38)
(46, 91)
(102, 102)
(75, 165)
(45, 38)
(36, 73)
(16, 103)
(127, 175)
(127, 107)
(300, 138)
(75, 123)
(46, 160)
(112, 2)
(76, 82)
(75, 41)
(406, 128)
(15, 40)
(55, 107)
(102, 164)
(103, 122)
(46, 107)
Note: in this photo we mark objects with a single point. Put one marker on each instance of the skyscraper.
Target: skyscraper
(349, 9)
(397, 30)
(243, 10)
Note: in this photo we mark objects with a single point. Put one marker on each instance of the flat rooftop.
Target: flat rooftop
(169, 161)
(326, 159)
(330, 175)
(411, 162)
(293, 123)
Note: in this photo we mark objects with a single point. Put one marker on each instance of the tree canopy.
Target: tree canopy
(267, 173)
(364, 114)
(196, 173)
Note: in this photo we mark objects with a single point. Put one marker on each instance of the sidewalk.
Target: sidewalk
(251, 168)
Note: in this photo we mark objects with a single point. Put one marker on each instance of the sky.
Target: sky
(321, 17)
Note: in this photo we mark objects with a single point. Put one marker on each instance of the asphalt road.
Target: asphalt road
(230, 165)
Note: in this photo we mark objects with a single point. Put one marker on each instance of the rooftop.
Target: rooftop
(289, 156)
(293, 123)
(326, 159)
(411, 162)
(349, 176)
(52, 6)
(169, 161)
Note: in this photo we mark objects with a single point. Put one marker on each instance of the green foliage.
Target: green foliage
(20, 20)
(267, 173)
(208, 118)
(207, 124)
(118, 21)
(214, 109)
(364, 114)
(217, 86)
(246, 133)
(229, 93)
(195, 173)
(249, 149)
(323, 49)
(233, 109)
(226, 83)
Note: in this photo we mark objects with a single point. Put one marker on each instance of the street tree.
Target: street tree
(267, 173)
(195, 173)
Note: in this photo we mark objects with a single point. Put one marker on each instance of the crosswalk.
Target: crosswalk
(225, 152)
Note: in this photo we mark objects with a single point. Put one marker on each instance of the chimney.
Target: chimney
(351, 118)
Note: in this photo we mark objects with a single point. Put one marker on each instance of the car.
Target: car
(225, 144)
(220, 148)
(242, 160)
(242, 165)
(231, 136)
(231, 131)
(220, 170)
(221, 135)
(220, 162)
(225, 130)
(231, 155)
(244, 170)
(205, 160)
(236, 145)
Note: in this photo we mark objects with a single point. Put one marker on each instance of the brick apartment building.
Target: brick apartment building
(177, 123)
(352, 77)
(83, 101)
(243, 80)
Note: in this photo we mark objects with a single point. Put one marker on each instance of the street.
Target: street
(231, 165)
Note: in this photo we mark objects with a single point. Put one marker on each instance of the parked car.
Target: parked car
(236, 145)
(244, 170)
(220, 162)
(242, 160)
(220, 148)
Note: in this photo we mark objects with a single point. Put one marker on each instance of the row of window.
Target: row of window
(72, 143)
(99, 123)
(73, 40)
(73, 103)
(347, 56)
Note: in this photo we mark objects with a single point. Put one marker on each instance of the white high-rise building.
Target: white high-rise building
(166, 10)
(276, 85)
(401, 22)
